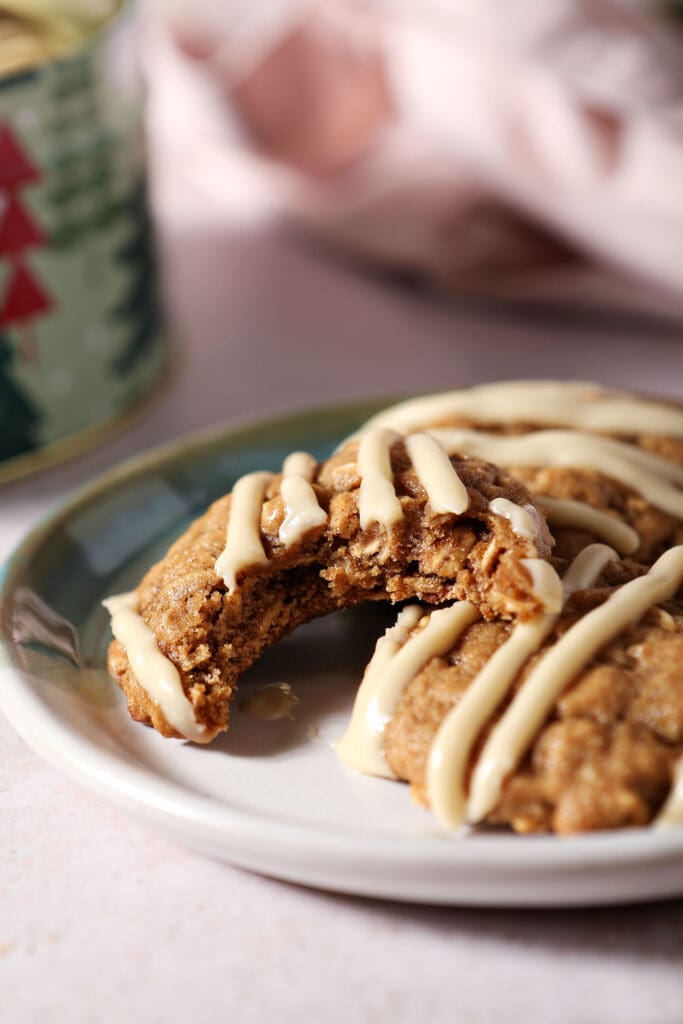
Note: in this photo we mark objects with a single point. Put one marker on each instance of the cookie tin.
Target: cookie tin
(80, 328)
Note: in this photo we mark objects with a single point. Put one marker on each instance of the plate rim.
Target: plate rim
(175, 810)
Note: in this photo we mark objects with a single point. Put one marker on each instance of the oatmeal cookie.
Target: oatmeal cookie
(384, 519)
(569, 724)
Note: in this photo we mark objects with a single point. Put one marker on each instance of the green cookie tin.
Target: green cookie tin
(81, 339)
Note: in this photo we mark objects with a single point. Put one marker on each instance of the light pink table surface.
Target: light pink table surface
(102, 920)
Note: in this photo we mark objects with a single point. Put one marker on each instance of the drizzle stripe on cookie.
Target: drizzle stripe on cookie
(539, 403)
(377, 500)
(299, 464)
(458, 732)
(648, 475)
(157, 676)
(546, 585)
(515, 731)
(524, 521)
(302, 511)
(243, 546)
(445, 490)
(565, 512)
(396, 660)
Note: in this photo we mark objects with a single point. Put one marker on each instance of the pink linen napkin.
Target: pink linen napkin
(531, 149)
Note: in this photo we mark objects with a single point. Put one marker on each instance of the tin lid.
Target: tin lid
(35, 31)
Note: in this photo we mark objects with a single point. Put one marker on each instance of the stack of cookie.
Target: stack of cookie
(531, 533)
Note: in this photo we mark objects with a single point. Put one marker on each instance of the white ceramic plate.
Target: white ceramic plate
(269, 796)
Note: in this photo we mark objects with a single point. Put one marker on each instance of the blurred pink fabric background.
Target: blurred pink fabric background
(526, 150)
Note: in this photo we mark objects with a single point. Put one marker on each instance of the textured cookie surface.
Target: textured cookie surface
(605, 466)
(212, 635)
(570, 425)
(606, 754)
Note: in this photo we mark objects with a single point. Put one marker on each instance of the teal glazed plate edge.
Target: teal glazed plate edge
(268, 796)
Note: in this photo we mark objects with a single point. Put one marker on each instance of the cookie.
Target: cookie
(570, 723)
(384, 519)
(511, 724)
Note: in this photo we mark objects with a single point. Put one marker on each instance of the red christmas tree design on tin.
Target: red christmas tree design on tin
(17, 230)
(24, 299)
(15, 167)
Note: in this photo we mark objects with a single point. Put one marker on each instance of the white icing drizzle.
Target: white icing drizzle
(243, 546)
(157, 676)
(565, 512)
(457, 734)
(515, 731)
(377, 500)
(672, 811)
(396, 660)
(546, 585)
(524, 521)
(299, 464)
(649, 475)
(561, 403)
(445, 490)
(302, 511)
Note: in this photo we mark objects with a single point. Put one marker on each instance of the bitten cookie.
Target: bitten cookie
(385, 519)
